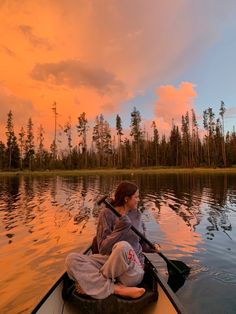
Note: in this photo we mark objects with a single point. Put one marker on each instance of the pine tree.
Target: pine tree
(22, 145)
(164, 151)
(209, 126)
(2, 155)
(218, 159)
(97, 137)
(186, 141)
(195, 141)
(174, 146)
(119, 134)
(155, 142)
(230, 147)
(222, 113)
(136, 133)
(82, 129)
(127, 160)
(41, 151)
(12, 149)
(29, 144)
(102, 139)
(68, 132)
(107, 143)
(54, 143)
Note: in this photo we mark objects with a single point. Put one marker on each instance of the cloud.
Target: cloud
(174, 102)
(143, 48)
(7, 51)
(36, 41)
(75, 74)
(103, 51)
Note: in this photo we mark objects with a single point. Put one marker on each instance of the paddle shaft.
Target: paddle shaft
(112, 208)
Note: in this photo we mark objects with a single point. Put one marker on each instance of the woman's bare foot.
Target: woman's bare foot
(132, 292)
(78, 289)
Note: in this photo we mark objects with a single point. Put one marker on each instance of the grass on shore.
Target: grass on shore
(113, 171)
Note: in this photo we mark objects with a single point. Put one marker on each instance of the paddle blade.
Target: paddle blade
(176, 281)
(176, 278)
(179, 267)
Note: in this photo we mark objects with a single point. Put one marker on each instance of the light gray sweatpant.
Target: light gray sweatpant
(97, 273)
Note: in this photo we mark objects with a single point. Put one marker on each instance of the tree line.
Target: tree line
(184, 147)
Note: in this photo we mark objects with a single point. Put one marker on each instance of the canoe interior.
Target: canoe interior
(167, 302)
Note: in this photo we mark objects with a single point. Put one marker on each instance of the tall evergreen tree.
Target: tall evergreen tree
(54, 143)
(107, 143)
(102, 140)
(119, 134)
(209, 126)
(218, 158)
(29, 144)
(2, 156)
(12, 149)
(98, 138)
(82, 129)
(41, 151)
(186, 141)
(22, 146)
(155, 143)
(195, 140)
(164, 151)
(222, 113)
(68, 132)
(127, 153)
(230, 147)
(174, 146)
(136, 133)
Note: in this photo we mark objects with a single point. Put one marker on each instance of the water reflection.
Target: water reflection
(187, 196)
(43, 218)
(194, 198)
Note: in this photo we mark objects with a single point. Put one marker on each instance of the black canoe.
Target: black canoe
(158, 298)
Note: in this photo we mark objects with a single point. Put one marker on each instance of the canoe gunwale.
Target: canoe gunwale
(168, 291)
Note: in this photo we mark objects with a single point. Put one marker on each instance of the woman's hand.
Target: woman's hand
(157, 247)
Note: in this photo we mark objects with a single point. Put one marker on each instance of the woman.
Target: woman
(118, 267)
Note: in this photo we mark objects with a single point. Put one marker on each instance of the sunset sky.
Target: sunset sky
(107, 56)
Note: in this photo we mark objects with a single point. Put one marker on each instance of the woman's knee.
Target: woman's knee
(122, 246)
(71, 259)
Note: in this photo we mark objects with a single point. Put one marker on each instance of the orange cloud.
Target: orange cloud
(74, 73)
(174, 102)
(36, 41)
(91, 56)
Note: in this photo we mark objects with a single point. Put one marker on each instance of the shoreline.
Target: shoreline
(114, 171)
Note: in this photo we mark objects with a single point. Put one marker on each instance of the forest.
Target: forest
(183, 147)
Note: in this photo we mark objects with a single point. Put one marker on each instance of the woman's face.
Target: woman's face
(132, 201)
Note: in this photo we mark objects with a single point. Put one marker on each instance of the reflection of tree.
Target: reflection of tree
(41, 188)
(29, 187)
(188, 195)
(53, 189)
(181, 193)
(28, 200)
(216, 198)
(9, 196)
(84, 212)
(194, 198)
(20, 199)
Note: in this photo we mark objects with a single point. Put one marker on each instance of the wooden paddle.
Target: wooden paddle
(175, 268)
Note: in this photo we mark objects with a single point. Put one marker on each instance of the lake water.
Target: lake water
(193, 217)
